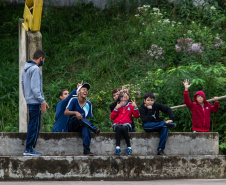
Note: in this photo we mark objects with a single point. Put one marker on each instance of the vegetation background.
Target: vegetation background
(146, 47)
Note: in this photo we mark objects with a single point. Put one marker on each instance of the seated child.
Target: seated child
(149, 113)
(115, 93)
(79, 109)
(122, 116)
(200, 108)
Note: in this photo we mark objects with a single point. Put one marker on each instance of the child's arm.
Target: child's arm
(115, 112)
(167, 110)
(135, 110)
(187, 100)
(215, 108)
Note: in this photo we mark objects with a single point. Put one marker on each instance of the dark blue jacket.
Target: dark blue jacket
(61, 120)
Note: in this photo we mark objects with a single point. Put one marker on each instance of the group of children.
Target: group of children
(72, 113)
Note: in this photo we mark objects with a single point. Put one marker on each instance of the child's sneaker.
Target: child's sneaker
(33, 153)
(129, 151)
(118, 151)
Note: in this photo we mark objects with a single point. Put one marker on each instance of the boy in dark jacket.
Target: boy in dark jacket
(149, 113)
(200, 108)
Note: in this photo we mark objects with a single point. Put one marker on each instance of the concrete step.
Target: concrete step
(60, 144)
(112, 167)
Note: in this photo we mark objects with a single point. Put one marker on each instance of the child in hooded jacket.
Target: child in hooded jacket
(122, 116)
(200, 108)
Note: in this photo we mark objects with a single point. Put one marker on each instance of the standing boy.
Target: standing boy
(62, 120)
(79, 109)
(33, 93)
(149, 113)
(200, 108)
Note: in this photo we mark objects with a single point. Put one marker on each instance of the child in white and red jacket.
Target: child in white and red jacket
(122, 116)
(200, 108)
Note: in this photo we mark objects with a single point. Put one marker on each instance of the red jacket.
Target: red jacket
(124, 114)
(200, 115)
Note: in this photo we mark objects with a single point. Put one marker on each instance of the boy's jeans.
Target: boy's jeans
(83, 126)
(160, 127)
(33, 126)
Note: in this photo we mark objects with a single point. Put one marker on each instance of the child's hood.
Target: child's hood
(202, 94)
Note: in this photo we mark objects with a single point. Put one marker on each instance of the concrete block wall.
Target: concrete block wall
(65, 144)
(112, 167)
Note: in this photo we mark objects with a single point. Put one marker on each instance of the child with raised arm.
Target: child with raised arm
(122, 119)
(200, 108)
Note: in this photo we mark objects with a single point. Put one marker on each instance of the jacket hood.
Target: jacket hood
(29, 64)
(202, 94)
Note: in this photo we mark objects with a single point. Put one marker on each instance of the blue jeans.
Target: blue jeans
(160, 127)
(33, 126)
(83, 126)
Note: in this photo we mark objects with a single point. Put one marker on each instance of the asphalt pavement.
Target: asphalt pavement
(152, 182)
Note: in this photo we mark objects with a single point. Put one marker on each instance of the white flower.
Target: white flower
(166, 20)
(212, 8)
(143, 23)
(189, 31)
(156, 9)
(179, 23)
(146, 6)
(172, 24)
(193, 22)
(137, 15)
(159, 21)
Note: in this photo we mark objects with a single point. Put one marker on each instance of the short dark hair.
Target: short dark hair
(114, 91)
(39, 53)
(61, 92)
(149, 95)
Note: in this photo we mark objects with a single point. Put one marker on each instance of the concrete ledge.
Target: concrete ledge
(60, 144)
(112, 167)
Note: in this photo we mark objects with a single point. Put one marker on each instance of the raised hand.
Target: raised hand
(186, 84)
(79, 84)
(134, 104)
(118, 106)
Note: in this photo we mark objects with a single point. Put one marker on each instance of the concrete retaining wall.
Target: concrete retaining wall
(112, 167)
(60, 144)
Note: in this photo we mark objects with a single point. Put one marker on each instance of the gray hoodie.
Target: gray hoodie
(32, 83)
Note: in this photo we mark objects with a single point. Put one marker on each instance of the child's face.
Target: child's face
(64, 95)
(199, 99)
(115, 95)
(83, 92)
(124, 99)
(149, 101)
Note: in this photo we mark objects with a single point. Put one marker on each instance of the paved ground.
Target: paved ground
(153, 182)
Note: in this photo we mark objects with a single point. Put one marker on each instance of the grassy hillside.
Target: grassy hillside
(147, 48)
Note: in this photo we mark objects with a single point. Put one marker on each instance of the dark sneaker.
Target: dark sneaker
(129, 151)
(171, 125)
(33, 153)
(97, 131)
(87, 152)
(118, 152)
(161, 152)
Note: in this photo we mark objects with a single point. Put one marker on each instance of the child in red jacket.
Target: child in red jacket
(200, 108)
(122, 116)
